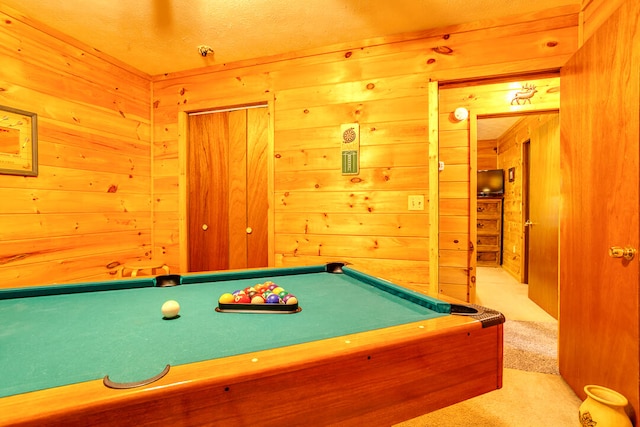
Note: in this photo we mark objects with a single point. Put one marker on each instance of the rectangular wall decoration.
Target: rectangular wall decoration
(350, 147)
(18, 142)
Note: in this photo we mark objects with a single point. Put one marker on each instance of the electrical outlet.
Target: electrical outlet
(416, 202)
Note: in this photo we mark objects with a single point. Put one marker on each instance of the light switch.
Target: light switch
(416, 202)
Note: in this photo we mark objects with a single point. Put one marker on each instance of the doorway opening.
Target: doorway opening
(526, 148)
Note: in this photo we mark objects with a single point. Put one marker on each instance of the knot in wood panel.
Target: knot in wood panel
(443, 50)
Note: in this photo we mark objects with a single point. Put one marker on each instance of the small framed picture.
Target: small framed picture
(512, 174)
(18, 142)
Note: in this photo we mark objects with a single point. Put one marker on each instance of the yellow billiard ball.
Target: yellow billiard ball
(226, 299)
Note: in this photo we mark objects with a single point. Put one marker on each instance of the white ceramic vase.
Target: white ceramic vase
(603, 407)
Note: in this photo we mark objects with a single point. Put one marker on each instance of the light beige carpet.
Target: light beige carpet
(527, 399)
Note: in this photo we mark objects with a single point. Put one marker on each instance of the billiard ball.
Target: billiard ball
(273, 299)
(257, 299)
(226, 298)
(290, 299)
(242, 299)
(170, 309)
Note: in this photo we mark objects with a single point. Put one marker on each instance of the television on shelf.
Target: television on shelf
(490, 183)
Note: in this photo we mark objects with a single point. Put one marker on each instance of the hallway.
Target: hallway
(497, 289)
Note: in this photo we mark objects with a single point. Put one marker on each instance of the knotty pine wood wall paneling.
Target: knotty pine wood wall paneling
(111, 93)
(594, 13)
(89, 208)
(328, 216)
(363, 218)
(457, 271)
(510, 148)
(318, 214)
(454, 236)
(487, 154)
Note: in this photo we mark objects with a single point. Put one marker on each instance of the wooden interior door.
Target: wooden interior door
(227, 196)
(255, 225)
(543, 207)
(526, 195)
(598, 339)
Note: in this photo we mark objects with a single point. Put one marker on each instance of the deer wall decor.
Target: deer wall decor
(524, 95)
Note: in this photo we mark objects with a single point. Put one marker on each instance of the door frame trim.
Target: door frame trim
(485, 98)
(183, 164)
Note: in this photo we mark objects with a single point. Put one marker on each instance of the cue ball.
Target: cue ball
(170, 309)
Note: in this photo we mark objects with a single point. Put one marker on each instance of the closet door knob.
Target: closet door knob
(618, 252)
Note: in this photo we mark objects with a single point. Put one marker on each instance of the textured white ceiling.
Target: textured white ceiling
(493, 128)
(160, 36)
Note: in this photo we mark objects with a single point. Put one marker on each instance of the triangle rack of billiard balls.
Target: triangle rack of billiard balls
(266, 297)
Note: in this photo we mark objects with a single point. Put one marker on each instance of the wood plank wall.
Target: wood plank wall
(487, 154)
(594, 13)
(318, 214)
(89, 208)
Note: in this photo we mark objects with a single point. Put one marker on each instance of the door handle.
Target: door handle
(618, 252)
(249, 230)
(205, 227)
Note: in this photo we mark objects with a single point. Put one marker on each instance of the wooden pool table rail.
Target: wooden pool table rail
(379, 377)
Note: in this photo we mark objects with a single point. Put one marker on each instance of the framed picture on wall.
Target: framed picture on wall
(18, 142)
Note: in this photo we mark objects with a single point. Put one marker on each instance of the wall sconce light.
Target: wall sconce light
(461, 114)
(204, 50)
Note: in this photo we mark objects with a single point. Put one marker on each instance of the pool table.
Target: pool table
(357, 350)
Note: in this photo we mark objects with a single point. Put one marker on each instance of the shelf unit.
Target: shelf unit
(489, 244)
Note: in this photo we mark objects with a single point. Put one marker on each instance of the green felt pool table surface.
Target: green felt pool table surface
(53, 340)
(55, 336)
